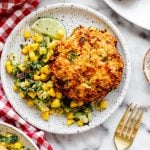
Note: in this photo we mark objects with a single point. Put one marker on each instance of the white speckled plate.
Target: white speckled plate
(7, 128)
(135, 11)
(71, 16)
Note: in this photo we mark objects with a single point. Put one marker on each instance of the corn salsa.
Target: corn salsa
(10, 141)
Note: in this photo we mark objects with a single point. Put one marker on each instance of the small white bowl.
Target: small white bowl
(146, 65)
(71, 16)
(7, 128)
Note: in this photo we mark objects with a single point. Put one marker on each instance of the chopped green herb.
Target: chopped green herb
(43, 44)
(72, 56)
(36, 65)
(37, 86)
(11, 139)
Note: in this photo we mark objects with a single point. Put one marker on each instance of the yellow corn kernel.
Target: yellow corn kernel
(48, 56)
(55, 103)
(73, 104)
(58, 95)
(80, 103)
(21, 94)
(70, 122)
(32, 94)
(30, 102)
(41, 70)
(52, 45)
(40, 39)
(60, 33)
(34, 37)
(8, 63)
(45, 115)
(36, 77)
(80, 123)
(24, 51)
(28, 47)
(45, 69)
(37, 38)
(103, 104)
(8, 135)
(9, 69)
(34, 46)
(45, 87)
(31, 54)
(42, 50)
(22, 67)
(27, 83)
(50, 84)
(51, 52)
(70, 116)
(26, 34)
(35, 58)
(18, 145)
(8, 66)
(45, 60)
(17, 84)
(43, 77)
(52, 92)
(26, 58)
(15, 88)
(43, 107)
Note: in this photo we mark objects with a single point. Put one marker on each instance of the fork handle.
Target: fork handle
(121, 147)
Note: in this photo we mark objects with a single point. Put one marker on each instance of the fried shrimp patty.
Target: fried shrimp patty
(87, 64)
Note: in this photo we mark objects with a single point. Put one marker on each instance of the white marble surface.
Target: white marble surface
(101, 138)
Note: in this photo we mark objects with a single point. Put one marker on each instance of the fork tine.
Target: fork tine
(128, 122)
(133, 123)
(136, 127)
(120, 125)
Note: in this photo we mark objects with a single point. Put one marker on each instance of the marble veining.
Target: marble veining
(101, 138)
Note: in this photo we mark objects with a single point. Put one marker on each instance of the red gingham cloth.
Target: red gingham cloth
(11, 12)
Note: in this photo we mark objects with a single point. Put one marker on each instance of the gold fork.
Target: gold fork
(128, 127)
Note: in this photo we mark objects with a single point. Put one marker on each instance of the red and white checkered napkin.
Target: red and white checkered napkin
(11, 12)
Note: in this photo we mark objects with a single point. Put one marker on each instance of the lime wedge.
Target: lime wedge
(50, 26)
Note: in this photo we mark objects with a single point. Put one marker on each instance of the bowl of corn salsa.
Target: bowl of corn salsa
(12, 138)
(26, 73)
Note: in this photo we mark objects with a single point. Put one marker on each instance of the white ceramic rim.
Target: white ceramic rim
(117, 11)
(20, 132)
(123, 45)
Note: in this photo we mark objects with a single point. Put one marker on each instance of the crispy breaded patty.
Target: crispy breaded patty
(87, 64)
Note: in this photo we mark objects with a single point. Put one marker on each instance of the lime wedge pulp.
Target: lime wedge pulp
(50, 26)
